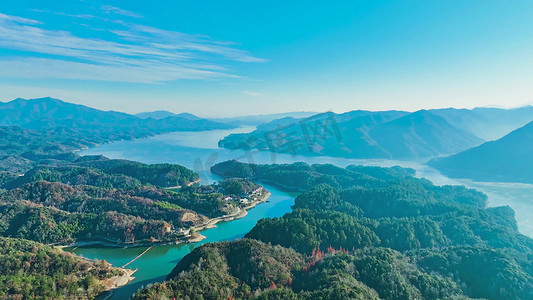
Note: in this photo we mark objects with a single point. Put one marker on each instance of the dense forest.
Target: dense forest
(49, 194)
(117, 201)
(301, 176)
(362, 233)
(110, 173)
(29, 270)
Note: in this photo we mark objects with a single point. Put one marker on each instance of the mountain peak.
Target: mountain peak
(161, 114)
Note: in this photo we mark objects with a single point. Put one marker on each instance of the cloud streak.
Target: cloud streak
(115, 10)
(138, 53)
(254, 94)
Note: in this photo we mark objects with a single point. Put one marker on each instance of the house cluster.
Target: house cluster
(244, 198)
(247, 198)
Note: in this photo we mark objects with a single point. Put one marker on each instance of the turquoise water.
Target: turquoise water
(199, 151)
(160, 260)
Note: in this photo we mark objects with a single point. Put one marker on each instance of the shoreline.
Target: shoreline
(211, 223)
(241, 213)
(283, 187)
(115, 282)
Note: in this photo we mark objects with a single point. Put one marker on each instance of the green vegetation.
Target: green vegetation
(227, 270)
(47, 131)
(29, 270)
(115, 201)
(164, 175)
(109, 173)
(248, 269)
(301, 176)
(388, 235)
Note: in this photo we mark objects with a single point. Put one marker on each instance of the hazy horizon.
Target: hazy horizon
(220, 116)
(213, 59)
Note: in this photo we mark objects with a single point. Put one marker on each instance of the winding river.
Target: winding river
(199, 151)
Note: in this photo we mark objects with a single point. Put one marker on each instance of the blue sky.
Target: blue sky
(226, 58)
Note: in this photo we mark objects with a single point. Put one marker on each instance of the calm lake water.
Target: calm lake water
(199, 151)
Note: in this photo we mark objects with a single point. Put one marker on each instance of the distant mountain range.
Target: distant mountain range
(38, 131)
(418, 135)
(386, 134)
(509, 159)
(487, 123)
(45, 113)
(252, 120)
(255, 120)
(161, 114)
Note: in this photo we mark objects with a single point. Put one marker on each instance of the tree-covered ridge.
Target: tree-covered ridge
(248, 269)
(95, 198)
(442, 230)
(23, 219)
(227, 270)
(481, 272)
(22, 149)
(164, 175)
(109, 173)
(29, 270)
(301, 176)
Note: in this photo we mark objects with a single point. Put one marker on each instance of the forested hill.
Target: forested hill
(364, 233)
(114, 201)
(30, 270)
(384, 134)
(45, 113)
(112, 173)
(47, 131)
(301, 176)
(509, 159)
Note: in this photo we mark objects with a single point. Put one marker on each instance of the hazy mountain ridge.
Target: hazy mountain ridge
(385, 134)
(485, 122)
(421, 134)
(508, 159)
(44, 113)
(161, 114)
(262, 119)
(39, 131)
(363, 134)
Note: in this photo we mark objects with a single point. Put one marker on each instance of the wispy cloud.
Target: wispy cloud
(7, 18)
(137, 54)
(115, 10)
(80, 16)
(254, 94)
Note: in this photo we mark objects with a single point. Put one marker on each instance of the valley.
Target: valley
(148, 172)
